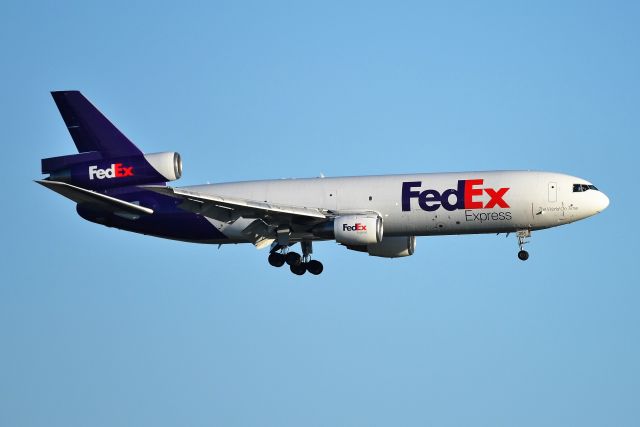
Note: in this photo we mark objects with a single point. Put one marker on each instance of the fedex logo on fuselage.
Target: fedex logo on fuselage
(115, 171)
(356, 227)
(466, 196)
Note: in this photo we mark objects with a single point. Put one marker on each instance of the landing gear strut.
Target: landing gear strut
(522, 236)
(298, 264)
(312, 266)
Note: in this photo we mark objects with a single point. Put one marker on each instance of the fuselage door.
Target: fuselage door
(553, 192)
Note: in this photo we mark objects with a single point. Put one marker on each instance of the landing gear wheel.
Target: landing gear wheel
(523, 236)
(276, 259)
(299, 269)
(315, 267)
(293, 258)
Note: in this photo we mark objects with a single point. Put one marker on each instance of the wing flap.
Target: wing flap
(84, 196)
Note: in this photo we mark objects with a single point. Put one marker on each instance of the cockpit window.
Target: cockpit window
(578, 188)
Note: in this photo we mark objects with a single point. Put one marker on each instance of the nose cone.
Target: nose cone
(602, 202)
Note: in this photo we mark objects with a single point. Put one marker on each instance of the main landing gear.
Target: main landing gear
(298, 264)
(522, 236)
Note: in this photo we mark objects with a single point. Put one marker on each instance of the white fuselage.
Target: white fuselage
(115, 184)
(431, 204)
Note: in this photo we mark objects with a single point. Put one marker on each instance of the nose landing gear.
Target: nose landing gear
(522, 236)
(298, 264)
(523, 255)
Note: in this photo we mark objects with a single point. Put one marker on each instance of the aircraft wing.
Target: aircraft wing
(88, 197)
(228, 209)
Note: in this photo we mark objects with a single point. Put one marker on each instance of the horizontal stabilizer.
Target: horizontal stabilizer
(83, 196)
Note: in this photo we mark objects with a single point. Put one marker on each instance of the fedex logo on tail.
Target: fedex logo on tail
(115, 171)
(467, 195)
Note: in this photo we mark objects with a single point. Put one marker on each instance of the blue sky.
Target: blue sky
(101, 327)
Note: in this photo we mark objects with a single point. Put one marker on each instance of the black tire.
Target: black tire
(523, 255)
(293, 258)
(315, 267)
(299, 269)
(276, 259)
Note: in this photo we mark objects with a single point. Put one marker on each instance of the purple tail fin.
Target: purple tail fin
(107, 159)
(90, 130)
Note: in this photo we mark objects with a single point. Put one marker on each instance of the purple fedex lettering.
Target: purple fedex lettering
(430, 200)
(461, 197)
(408, 194)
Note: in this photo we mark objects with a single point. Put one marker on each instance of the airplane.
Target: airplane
(117, 185)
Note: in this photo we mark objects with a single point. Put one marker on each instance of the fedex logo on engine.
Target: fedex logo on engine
(115, 171)
(468, 195)
(356, 227)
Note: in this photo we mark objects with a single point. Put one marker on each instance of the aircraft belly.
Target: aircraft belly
(461, 222)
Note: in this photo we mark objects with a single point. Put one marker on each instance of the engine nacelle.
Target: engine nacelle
(393, 247)
(358, 229)
(389, 247)
(118, 172)
(168, 164)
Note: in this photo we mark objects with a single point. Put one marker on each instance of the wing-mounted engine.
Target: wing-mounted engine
(358, 229)
(389, 247)
(93, 171)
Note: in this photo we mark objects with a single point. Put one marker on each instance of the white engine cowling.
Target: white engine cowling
(168, 164)
(358, 229)
(393, 247)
